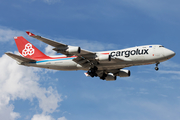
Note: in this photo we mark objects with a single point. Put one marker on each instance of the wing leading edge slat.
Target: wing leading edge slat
(46, 40)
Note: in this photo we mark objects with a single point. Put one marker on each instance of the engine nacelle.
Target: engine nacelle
(110, 77)
(73, 50)
(68, 50)
(103, 58)
(124, 73)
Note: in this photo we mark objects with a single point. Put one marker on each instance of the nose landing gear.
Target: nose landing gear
(156, 68)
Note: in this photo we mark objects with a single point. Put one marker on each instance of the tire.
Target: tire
(156, 68)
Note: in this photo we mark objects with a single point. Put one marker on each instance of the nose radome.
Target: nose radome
(169, 53)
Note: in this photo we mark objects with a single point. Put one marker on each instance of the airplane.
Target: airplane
(106, 65)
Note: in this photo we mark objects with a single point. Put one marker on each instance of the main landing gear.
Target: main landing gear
(156, 68)
(103, 76)
(92, 71)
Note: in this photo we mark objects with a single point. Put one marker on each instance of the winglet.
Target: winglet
(30, 34)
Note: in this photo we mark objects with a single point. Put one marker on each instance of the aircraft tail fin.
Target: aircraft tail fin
(28, 50)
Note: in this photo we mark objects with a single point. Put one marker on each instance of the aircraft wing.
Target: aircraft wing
(46, 40)
(20, 58)
(84, 58)
(59, 47)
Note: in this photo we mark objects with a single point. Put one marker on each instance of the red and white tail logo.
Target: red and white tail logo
(28, 50)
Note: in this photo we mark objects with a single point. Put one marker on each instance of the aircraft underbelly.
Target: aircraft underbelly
(66, 65)
(69, 65)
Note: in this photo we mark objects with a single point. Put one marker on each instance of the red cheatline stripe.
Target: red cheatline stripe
(51, 58)
(105, 53)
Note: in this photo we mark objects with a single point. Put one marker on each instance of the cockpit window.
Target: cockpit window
(161, 46)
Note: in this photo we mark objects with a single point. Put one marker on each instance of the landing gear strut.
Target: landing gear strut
(92, 71)
(156, 68)
(103, 76)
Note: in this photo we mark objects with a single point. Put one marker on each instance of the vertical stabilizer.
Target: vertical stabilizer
(28, 50)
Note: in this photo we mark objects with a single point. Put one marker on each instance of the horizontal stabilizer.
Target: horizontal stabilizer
(20, 58)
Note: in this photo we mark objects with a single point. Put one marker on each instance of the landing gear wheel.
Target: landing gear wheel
(103, 76)
(92, 71)
(156, 68)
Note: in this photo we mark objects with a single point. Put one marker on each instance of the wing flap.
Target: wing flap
(20, 58)
(82, 61)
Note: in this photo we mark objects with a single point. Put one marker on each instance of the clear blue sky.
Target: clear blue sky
(37, 94)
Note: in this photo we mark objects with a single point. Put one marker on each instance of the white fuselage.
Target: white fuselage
(140, 55)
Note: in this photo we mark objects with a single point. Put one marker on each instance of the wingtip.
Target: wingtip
(30, 34)
(8, 53)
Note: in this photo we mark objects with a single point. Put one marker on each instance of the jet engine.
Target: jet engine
(110, 77)
(124, 73)
(73, 50)
(103, 58)
(68, 50)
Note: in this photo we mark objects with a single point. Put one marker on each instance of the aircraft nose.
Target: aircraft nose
(169, 53)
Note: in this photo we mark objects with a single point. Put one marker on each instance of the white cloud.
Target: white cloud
(159, 109)
(142, 91)
(19, 82)
(62, 118)
(6, 112)
(7, 34)
(49, 51)
(170, 72)
(46, 117)
(42, 117)
(170, 64)
(163, 95)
